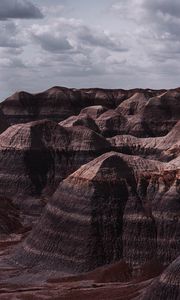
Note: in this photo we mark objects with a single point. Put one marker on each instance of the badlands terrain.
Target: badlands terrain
(90, 195)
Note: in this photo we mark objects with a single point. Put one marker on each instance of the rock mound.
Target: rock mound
(163, 148)
(161, 113)
(36, 156)
(59, 103)
(167, 286)
(108, 211)
(111, 123)
(80, 120)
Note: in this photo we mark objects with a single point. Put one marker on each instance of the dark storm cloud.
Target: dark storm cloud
(19, 9)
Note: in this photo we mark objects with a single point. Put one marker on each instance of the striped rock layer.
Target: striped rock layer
(59, 103)
(36, 156)
(117, 215)
(163, 148)
(115, 207)
(140, 113)
(167, 286)
(9, 217)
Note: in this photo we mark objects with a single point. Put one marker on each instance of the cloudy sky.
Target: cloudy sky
(99, 43)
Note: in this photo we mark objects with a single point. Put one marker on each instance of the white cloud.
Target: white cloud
(134, 44)
(53, 11)
(9, 35)
(68, 34)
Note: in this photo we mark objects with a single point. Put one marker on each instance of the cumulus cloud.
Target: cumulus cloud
(162, 16)
(72, 34)
(19, 9)
(12, 62)
(166, 7)
(9, 35)
(53, 11)
(52, 43)
(53, 37)
(165, 15)
(153, 29)
(154, 24)
(133, 43)
(77, 49)
(97, 38)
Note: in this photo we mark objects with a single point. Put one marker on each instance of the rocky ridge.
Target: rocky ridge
(96, 175)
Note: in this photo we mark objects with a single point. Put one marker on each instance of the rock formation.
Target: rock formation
(36, 156)
(9, 217)
(93, 111)
(102, 207)
(59, 103)
(163, 148)
(90, 182)
(80, 120)
(149, 117)
(111, 123)
(3, 122)
(166, 286)
(56, 104)
(161, 113)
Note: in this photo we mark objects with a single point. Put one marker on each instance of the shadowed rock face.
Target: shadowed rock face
(133, 105)
(9, 217)
(141, 113)
(36, 156)
(167, 286)
(111, 123)
(59, 103)
(56, 104)
(154, 116)
(161, 113)
(3, 122)
(111, 208)
(90, 182)
(82, 203)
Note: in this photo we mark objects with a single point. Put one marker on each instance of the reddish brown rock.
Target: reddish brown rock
(111, 98)
(133, 105)
(56, 104)
(36, 156)
(59, 103)
(161, 113)
(114, 207)
(93, 111)
(167, 286)
(148, 117)
(80, 120)
(111, 123)
(155, 218)
(9, 217)
(3, 122)
(163, 148)
(116, 218)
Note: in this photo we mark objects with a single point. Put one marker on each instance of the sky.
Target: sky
(97, 43)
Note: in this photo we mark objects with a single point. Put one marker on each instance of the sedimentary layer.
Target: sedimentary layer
(117, 206)
(36, 156)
